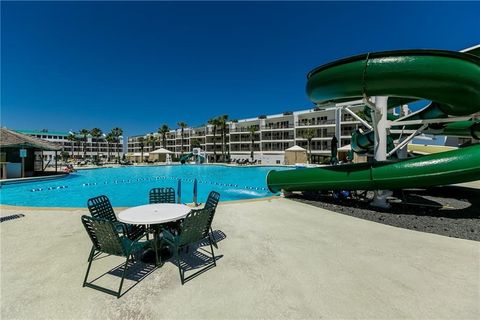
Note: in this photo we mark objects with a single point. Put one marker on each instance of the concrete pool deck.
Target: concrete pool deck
(279, 259)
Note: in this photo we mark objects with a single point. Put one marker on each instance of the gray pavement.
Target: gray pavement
(279, 259)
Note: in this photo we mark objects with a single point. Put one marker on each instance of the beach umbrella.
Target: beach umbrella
(195, 192)
(179, 190)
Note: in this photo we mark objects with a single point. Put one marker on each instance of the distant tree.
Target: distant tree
(84, 133)
(215, 123)
(64, 155)
(182, 126)
(252, 131)
(222, 122)
(141, 143)
(309, 134)
(72, 138)
(117, 133)
(195, 143)
(151, 141)
(110, 138)
(96, 133)
(163, 130)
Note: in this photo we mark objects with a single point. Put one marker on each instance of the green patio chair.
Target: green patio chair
(106, 239)
(101, 208)
(195, 227)
(162, 195)
(212, 202)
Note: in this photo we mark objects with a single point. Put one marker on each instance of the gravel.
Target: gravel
(452, 211)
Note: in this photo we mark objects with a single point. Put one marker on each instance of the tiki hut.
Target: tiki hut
(13, 145)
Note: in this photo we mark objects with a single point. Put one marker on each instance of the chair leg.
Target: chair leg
(123, 276)
(177, 257)
(213, 238)
(213, 254)
(90, 260)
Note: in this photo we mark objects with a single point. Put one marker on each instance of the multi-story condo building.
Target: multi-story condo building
(80, 148)
(271, 135)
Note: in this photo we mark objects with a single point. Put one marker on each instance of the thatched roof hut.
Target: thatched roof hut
(13, 139)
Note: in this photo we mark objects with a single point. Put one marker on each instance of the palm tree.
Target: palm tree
(252, 131)
(84, 133)
(110, 138)
(214, 122)
(222, 121)
(309, 134)
(195, 143)
(72, 138)
(182, 126)
(141, 142)
(96, 133)
(163, 130)
(150, 141)
(117, 133)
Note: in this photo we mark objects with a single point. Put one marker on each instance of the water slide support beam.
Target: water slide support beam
(380, 125)
(354, 115)
(406, 140)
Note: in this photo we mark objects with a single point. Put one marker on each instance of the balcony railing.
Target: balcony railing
(273, 126)
(315, 123)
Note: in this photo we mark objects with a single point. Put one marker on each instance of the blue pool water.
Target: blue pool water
(129, 186)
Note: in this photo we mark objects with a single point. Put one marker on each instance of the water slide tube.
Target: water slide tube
(451, 80)
(185, 157)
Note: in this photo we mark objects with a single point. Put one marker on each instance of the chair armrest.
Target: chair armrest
(168, 237)
(120, 228)
(136, 231)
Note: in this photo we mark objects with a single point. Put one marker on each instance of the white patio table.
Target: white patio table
(152, 214)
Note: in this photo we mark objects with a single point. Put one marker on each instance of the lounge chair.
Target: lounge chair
(195, 227)
(101, 208)
(106, 239)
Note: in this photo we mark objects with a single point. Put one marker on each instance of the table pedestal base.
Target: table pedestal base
(148, 256)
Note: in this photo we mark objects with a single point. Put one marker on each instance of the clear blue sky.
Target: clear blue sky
(73, 65)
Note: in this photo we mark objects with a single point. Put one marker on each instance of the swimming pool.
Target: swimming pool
(129, 186)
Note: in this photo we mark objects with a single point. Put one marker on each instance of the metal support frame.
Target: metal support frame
(338, 124)
(402, 153)
(406, 140)
(94, 286)
(353, 114)
(176, 255)
(427, 121)
(380, 127)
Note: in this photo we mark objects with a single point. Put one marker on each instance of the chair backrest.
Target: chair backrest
(162, 195)
(104, 236)
(195, 226)
(101, 208)
(212, 200)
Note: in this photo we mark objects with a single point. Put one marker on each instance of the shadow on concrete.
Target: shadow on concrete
(11, 217)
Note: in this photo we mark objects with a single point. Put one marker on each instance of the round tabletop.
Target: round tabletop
(154, 213)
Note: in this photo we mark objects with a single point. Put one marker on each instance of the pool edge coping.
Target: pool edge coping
(11, 207)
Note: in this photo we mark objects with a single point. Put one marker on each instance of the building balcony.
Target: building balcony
(312, 123)
(277, 127)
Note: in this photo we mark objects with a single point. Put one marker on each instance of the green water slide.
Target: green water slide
(185, 157)
(451, 80)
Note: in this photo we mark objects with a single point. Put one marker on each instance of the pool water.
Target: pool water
(129, 186)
